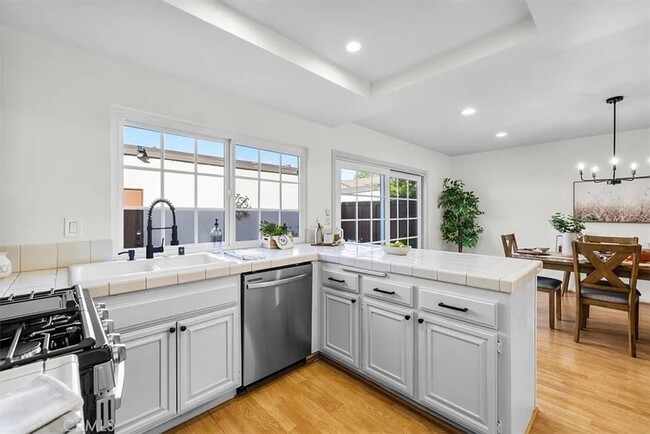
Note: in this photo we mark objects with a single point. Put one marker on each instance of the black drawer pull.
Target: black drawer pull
(459, 309)
(172, 330)
(336, 280)
(383, 292)
(407, 317)
(420, 320)
(183, 328)
(353, 301)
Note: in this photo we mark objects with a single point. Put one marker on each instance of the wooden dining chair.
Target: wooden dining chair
(553, 287)
(603, 287)
(610, 240)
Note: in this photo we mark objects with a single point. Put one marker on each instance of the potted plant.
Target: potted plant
(569, 227)
(460, 217)
(270, 230)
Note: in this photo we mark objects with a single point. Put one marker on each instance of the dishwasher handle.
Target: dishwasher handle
(276, 282)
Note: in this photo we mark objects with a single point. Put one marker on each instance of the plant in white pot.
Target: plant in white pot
(275, 236)
(569, 227)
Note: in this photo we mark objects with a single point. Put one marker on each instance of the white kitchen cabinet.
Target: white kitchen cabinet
(458, 372)
(208, 363)
(341, 327)
(149, 394)
(388, 345)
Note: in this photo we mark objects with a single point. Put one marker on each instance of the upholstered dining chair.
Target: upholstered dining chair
(603, 287)
(553, 287)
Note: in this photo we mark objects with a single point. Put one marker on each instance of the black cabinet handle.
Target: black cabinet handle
(459, 309)
(383, 292)
(336, 280)
(407, 317)
(172, 330)
(353, 301)
(420, 320)
(183, 328)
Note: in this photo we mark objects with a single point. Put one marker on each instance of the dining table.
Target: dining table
(557, 261)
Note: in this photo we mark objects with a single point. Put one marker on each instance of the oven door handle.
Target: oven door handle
(119, 359)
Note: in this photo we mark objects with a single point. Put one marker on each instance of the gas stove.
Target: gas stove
(42, 325)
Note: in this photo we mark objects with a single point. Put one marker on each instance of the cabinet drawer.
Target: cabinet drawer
(457, 306)
(387, 290)
(340, 280)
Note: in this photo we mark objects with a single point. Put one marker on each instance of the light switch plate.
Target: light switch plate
(71, 227)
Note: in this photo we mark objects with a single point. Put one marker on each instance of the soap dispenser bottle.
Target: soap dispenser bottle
(216, 237)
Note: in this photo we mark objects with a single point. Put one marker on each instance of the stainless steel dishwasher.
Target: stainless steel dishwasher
(276, 320)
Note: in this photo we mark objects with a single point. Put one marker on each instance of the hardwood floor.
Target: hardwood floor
(590, 387)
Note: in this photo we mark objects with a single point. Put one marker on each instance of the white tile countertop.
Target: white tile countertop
(487, 272)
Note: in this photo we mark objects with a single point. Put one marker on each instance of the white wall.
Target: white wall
(56, 114)
(520, 188)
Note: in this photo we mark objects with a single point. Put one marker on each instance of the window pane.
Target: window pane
(210, 192)
(292, 219)
(247, 226)
(290, 196)
(413, 228)
(348, 210)
(393, 230)
(377, 207)
(179, 189)
(246, 161)
(377, 227)
(270, 165)
(364, 232)
(210, 157)
(148, 182)
(185, 226)
(179, 152)
(413, 208)
(364, 208)
(271, 216)
(393, 208)
(412, 189)
(290, 168)
(269, 194)
(402, 188)
(135, 138)
(393, 187)
(349, 230)
(206, 223)
(413, 242)
(134, 232)
(247, 191)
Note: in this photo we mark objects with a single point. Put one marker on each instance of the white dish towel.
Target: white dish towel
(36, 404)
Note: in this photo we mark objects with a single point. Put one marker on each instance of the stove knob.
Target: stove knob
(119, 353)
(103, 313)
(109, 326)
(114, 339)
(100, 305)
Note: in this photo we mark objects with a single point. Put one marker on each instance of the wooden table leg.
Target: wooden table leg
(565, 282)
(558, 302)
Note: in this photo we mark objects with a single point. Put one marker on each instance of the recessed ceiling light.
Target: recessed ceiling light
(501, 134)
(353, 46)
(468, 111)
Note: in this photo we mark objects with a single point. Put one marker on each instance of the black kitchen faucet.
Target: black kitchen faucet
(150, 248)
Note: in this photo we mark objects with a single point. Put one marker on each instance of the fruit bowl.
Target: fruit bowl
(401, 251)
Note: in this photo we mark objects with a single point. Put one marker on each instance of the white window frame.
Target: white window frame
(121, 116)
(342, 160)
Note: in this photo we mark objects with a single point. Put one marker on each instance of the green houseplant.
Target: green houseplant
(460, 217)
(270, 229)
(569, 227)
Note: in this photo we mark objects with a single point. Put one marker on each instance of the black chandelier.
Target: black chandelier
(614, 161)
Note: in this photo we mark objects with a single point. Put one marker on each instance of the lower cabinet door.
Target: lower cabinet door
(388, 345)
(209, 361)
(341, 327)
(458, 372)
(149, 394)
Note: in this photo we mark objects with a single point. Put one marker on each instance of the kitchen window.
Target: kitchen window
(378, 204)
(206, 177)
